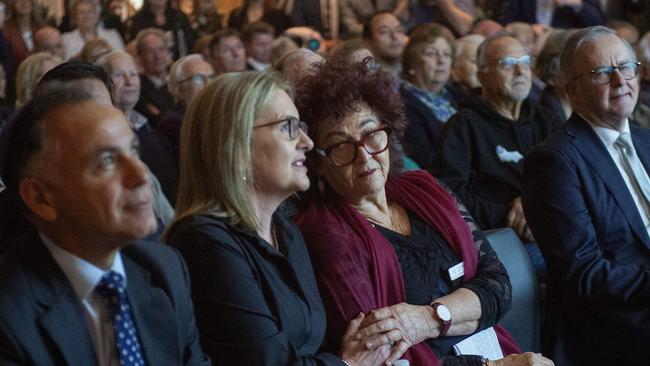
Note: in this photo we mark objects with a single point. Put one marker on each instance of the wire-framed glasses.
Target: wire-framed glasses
(604, 74)
(197, 79)
(291, 126)
(509, 62)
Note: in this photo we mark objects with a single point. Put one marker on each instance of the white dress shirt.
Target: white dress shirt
(84, 277)
(608, 136)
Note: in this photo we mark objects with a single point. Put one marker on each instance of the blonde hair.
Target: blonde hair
(30, 71)
(216, 170)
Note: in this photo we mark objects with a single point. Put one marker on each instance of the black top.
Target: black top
(480, 155)
(157, 152)
(153, 101)
(254, 305)
(425, 259)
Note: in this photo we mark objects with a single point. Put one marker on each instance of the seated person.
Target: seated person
(155, 150)
(187, 77)
(482, 147)
(257, 38)
(428, 99)
(154, 57)
(242, 153)
(384, 241)
(81, 288)
(585, 192)
(227, 52)
(386, 39)
(464, 70)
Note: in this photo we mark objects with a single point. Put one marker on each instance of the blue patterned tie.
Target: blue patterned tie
(111, 288)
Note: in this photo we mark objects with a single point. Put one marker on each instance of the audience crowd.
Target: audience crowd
(311, 182)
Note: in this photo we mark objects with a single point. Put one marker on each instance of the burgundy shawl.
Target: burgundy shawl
(356, 267)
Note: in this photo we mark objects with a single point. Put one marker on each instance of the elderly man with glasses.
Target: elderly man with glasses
(156, 150)
(187, 77)
(586, 196)
(482, 147)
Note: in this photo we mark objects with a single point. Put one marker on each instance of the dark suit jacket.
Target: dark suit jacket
(42, 321)
(153, 102)
(595, 245)
(564, 17)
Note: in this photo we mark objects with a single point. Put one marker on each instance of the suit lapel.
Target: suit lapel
(641, 140)
(154, 315)
(596, 155)
(62, 315)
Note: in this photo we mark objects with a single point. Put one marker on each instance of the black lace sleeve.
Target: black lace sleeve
(491, 282)
(462, 361)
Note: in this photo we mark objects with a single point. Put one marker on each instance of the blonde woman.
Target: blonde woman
(242, 154)
(30, 72)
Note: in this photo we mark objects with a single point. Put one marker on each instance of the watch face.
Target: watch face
(443, 312)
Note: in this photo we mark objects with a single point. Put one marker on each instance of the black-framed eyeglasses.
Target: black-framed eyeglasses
(604, 74)
(509, 62)
(344, 153)
(291, 126)
(197, 79)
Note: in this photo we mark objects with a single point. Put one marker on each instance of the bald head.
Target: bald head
(48, 39)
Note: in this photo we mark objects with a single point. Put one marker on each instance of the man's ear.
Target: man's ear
(570, 89)
(38, 198)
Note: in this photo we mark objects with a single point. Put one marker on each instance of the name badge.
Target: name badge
(457, 271)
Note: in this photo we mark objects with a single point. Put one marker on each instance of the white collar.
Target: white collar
(609, 135)
(257, 65)
(83, 275)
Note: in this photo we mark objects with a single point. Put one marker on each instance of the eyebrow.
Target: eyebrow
(135, 142)
(363, 123)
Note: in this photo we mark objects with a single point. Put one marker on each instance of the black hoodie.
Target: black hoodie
(480, 156)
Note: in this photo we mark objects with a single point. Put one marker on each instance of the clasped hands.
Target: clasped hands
(385, 334)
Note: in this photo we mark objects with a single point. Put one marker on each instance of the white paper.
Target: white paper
(483, 343)
(457, 271)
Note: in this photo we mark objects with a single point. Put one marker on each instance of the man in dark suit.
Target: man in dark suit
(586, 201)
(154, 55)
(74, 291)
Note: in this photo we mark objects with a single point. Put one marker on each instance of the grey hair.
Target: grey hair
(482, 49)
(579, 39)
(147, 32)
(104, 63)
(177, 69)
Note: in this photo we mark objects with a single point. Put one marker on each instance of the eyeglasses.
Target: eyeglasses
(604, 75)
(291, 126)
(509, 62)
(198, 79)
(344, 153)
